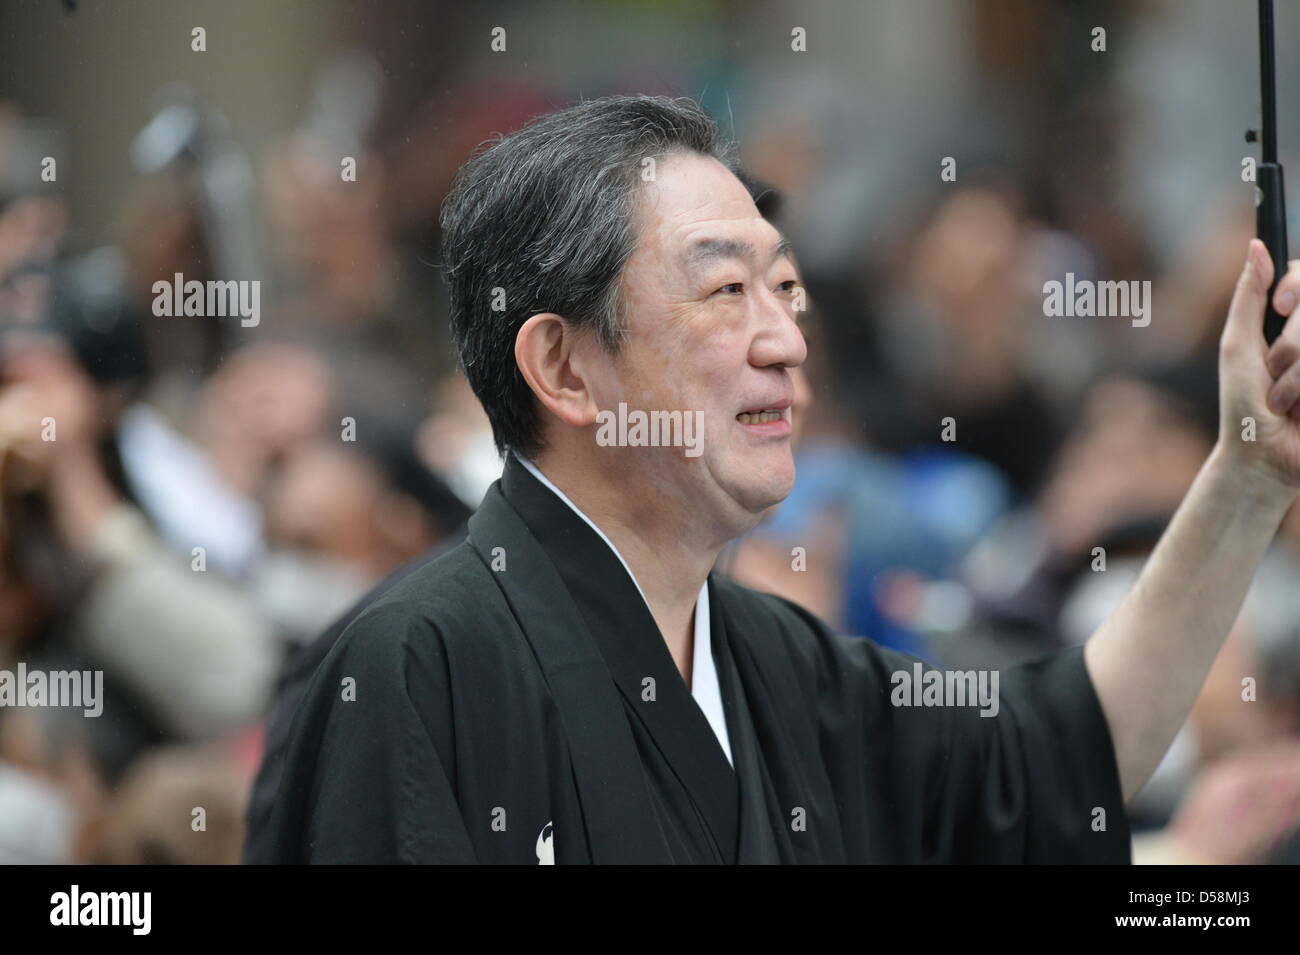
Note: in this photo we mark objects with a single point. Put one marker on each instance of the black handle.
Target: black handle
(1270, 226)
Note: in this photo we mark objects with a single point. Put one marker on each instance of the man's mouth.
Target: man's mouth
(761, 417)
(772, 420)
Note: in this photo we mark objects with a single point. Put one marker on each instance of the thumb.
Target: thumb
(1246, 314)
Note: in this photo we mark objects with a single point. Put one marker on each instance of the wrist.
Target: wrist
(1251, 481)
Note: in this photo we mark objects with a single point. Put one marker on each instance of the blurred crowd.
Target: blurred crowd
(217, 494)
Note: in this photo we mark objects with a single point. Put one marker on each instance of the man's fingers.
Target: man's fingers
(1284, 392)
(1246, 314)
(1287, 292)
(1286, 349)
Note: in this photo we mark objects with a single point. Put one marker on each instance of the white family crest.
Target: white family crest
(545, 845)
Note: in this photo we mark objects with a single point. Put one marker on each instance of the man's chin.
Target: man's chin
(759, 493)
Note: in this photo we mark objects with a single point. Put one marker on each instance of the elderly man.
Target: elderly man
(573, 684)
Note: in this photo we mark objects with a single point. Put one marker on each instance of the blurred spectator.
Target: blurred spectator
(176, 806)
(1240, 812)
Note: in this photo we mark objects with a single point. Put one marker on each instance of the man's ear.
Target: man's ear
(550, 357)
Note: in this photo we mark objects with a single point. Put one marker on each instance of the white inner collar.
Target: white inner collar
(704, 672)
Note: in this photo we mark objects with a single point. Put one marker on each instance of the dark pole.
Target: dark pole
(1267, 81)
(1270, 197)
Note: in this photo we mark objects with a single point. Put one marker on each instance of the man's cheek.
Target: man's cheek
(678, 351)
(659, 365)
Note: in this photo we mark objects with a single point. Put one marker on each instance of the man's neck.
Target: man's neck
(668, 562)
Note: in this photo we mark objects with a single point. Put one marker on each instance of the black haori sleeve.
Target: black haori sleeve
(365, 782)
(1041, 777)
(1034, 782)
(892, 768)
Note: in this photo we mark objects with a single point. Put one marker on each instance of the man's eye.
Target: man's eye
(734, 288)
(788, 286)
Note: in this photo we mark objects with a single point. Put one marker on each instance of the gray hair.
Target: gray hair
(543, 221)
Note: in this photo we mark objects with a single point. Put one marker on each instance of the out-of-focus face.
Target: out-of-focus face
(709, 301)
(1131, 456)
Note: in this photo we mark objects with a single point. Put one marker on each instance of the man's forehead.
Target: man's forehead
(696, 210)
(692, 188)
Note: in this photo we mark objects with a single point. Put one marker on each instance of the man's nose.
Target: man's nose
(779, 340)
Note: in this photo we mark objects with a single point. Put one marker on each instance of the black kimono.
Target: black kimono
(514, 701)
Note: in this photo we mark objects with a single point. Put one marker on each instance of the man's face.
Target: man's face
(709, 297)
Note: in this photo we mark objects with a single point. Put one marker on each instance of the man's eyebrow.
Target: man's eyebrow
(708, 250)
